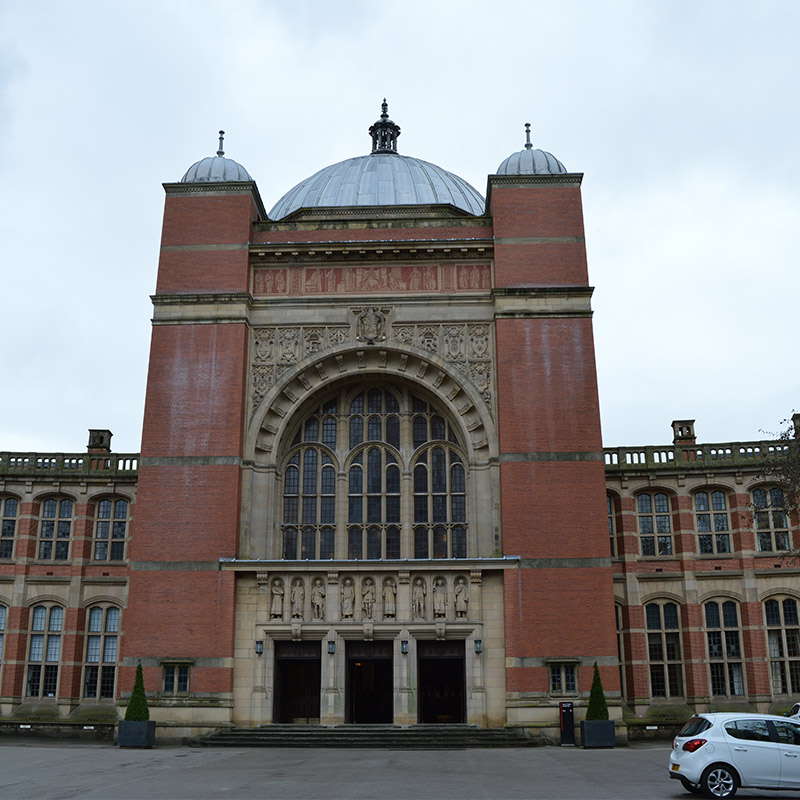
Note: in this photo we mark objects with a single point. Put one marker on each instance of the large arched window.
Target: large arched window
(99, 671)
(374, 473)
(664, 649)
(44, 650)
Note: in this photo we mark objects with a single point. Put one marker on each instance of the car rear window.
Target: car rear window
(694, 726)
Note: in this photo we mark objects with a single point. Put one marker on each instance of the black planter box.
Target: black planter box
(136, 734)
(598, 733)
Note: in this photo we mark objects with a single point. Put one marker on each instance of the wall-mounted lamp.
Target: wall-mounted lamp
(259, 648)
(478, 647)
(331, 647)
(404, 647)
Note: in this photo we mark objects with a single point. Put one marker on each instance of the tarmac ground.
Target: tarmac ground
(65, 770)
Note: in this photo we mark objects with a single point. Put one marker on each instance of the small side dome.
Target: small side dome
(216, 169)
(530, 161)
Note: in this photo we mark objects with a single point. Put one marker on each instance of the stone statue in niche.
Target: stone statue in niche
(276, 607)
(461, 598)
(371, 326)
(348, 598)
(389, 599)
(368, 598)
(418, 593)
(298, 599)
(439, 598)
(318, 599)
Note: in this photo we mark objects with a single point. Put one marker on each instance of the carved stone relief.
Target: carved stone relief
(461, 598)
(466, 348)
(439, 598)
(368, 598)
(318, 599)
(418, 592)
(276, 604)
(389, 599)
(348, 598)
(298, 598)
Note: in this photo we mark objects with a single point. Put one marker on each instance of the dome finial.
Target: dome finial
(384, 132)
(528, 144)
(221, 152)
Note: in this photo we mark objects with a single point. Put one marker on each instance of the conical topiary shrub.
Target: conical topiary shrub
(597, 708)
(138, 710)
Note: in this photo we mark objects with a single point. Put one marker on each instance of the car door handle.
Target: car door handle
(790, 755)
(740, 749)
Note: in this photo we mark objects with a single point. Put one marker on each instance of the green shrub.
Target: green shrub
(598, 708)
(137, 710)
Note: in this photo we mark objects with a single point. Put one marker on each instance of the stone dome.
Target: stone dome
(216, 169)
(529, 161)
(382, 178)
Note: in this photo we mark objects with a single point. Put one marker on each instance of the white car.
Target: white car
(794, 713)
(715, 754)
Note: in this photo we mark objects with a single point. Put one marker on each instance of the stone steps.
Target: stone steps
(416, 737)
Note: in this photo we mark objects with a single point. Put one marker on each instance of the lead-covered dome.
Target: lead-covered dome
(530, 161)
(216, 169)
(382, 178)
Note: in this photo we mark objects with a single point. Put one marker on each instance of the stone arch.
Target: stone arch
(299, 384)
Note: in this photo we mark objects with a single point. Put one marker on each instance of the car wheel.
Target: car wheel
(719, 780)
(691, 787)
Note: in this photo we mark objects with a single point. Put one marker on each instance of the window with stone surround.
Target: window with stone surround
(664, 649)
(55, 529)
(563, 678)
(612, 527)
(110, 530)
(712, 522)
(783, 644)
(9, 509)
(44, 650)
(349, 455)
(100, 663)
(175, 677)
(724, 648)
(655, 529)
(772, 521)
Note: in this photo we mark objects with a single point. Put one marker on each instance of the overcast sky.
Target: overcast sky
(683, 116)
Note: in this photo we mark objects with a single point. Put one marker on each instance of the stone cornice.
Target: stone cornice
(354, 252)
(218, 188)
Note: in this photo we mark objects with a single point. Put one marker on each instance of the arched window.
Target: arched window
(44, 650)
(55, 529)
(783, 644)
(100, 668)
(111, 530)
(711, 520)
(654, 524)
(9, 508)
(351, 454)
(724, 648)
(772, 523)
(664, 649)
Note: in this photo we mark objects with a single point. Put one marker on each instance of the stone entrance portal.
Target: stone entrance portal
(369, 688)
(442, 697)
(297, 682)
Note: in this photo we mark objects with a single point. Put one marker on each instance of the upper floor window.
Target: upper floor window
(654, 524)
(724, 648)
(783, 643)
(711, 520)
(611, 526)
(55, 529)
(110, 530)
(344, 494)
(772, 522)
(44, 650)
(100, 668)
(9, 508)
(664, 649)
(3, 614)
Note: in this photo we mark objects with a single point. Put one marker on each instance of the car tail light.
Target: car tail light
(694, 744)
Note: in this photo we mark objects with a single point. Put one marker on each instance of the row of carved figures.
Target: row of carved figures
(367, 595)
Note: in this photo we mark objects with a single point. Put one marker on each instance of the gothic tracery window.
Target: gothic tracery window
(374, 474)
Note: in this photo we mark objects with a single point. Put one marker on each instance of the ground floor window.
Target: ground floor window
(176, 678)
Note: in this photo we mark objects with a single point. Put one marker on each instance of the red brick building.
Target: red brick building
(371, 483)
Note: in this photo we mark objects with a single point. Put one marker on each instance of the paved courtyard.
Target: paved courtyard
(59, 771)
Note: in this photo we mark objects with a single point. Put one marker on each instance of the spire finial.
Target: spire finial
(221, 152)
(528, 144)
(384, 132)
